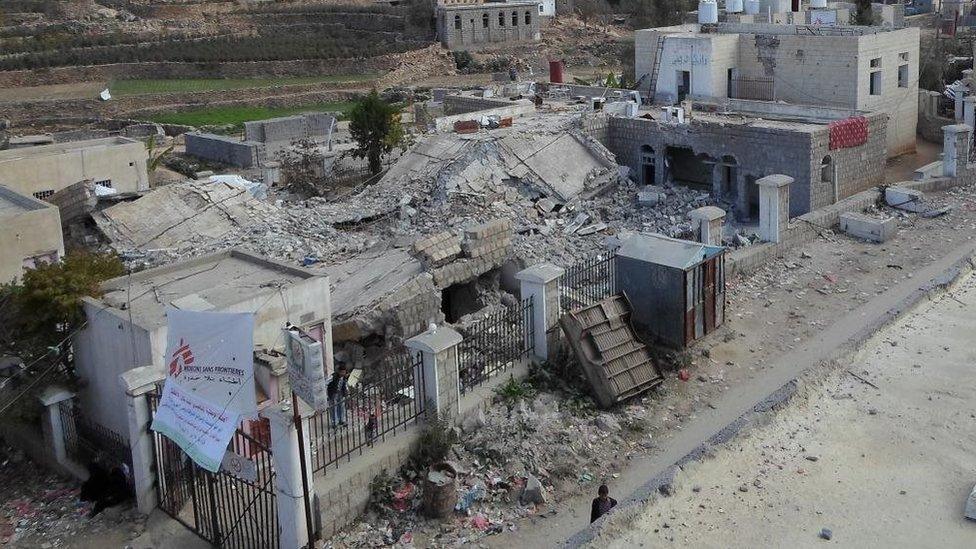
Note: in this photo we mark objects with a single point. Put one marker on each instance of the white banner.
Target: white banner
(209, 383)
(306, 370)
(200, 428)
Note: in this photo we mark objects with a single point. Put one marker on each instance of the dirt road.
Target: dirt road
(883, 461)
(792, 315)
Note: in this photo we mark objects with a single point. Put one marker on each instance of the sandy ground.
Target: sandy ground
(880, 467)
(77, 90)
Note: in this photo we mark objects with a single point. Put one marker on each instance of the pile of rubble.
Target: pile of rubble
(416, 65)
(514, 460)
(40, 509)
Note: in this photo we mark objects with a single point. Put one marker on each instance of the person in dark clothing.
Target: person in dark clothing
(104, 487)
(602, 503)
(337, 390)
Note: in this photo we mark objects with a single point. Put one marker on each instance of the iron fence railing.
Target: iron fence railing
(386, 402)
(87, 442)
(756, 88)
(588, 281)
(226, 509)
(495, 343)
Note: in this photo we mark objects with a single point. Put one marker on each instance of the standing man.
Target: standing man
(602, 503)
(337, 390)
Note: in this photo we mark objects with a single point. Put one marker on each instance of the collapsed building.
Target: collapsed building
(30, 235)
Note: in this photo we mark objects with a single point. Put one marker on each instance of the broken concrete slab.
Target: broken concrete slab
(906, 199)
(650, 195)
(869, 228)
(970, 512)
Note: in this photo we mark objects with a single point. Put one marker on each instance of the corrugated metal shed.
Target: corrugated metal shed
(617, 365)
(670, 252)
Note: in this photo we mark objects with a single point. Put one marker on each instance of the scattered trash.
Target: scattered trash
(683, 375)
(826, 534)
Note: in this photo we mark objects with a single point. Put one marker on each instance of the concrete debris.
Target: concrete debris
(970, 512)
(533, 491)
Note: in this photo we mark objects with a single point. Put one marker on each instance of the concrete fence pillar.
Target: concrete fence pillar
(955, 149)
(959, 92)
(52, 426)
(774, 206)
(136, 383)
(442, 380)
(270, 173)
(287, 453)
(541, 283)
(708, 221)
(969, 111)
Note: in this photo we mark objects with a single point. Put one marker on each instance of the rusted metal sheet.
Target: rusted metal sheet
(466, 126)
(617, 365)
(709, 296)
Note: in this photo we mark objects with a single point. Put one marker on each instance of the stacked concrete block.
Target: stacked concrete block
(869, 228)
(316, 125)
(223, 149)
(437, 249)
(75, 202)
(493, 238)
(412, 308)
(463, 104)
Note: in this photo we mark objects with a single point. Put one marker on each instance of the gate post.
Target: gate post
(136, 383)
(442, 380)
(286, 453)
(541, 283)
(54, 429)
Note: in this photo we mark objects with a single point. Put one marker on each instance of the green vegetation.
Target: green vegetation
(234, 117)
(375, 125)
(188, 85)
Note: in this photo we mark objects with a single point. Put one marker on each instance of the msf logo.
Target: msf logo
(182, 356)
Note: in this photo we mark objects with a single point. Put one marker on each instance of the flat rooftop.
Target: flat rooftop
(772, 29)
(209, 283)
(12, 203)
(62, 148)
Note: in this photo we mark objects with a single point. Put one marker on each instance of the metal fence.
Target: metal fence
(588, 281)
(759, 88)
(87, 442)
(389, 401)
(495, 343)
(224, 508)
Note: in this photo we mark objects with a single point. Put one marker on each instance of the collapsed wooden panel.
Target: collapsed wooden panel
(617, 365)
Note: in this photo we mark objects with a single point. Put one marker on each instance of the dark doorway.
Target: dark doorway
(689, 169)
(648, 165)
(684, 85)
(461, 299)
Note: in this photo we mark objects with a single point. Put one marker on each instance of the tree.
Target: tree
(45, 306)
(375, 125)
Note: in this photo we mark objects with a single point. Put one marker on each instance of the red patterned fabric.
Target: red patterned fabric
(849, 132)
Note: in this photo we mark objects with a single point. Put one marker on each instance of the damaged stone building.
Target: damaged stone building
(857, 69)
(462, 27)
(725, 153)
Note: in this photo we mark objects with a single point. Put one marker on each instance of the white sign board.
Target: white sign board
(209, 384)
(239, 466)
(306, 370)
(826, 18)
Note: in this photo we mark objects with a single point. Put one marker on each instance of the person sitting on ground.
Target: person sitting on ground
(602, 503)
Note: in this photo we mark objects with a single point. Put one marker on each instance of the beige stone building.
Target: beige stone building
(116, 162)
(30, 233)
(862, 69)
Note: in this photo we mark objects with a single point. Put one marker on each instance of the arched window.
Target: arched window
(457, 22)
(827, 170)
(484, 20)
(501, 19)
(528, 18)
(514, 18)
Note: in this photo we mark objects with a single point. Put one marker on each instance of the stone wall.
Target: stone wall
(75, 202)
(463, 104)
(318, 126)
(223, 149)
(462, 27)
(855, 169)
(485, 247)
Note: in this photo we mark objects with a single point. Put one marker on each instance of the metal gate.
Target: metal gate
(223, 509)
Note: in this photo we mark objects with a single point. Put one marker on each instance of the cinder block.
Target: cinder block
(869, 228)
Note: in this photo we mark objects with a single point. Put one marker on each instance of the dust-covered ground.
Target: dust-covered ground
(878, 450)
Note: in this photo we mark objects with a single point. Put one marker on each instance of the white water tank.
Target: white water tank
(752, 7)
(733, 6)
(707, 12)
(818, 4)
